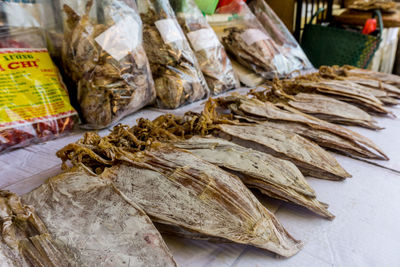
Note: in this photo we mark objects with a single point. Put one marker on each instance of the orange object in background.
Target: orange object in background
(370, 26)
(230, 6)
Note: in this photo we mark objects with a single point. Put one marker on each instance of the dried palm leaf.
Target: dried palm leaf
(334, 89)
(381, 95)
(280, 111)
(272, 176)
(385, 77)
(305, 154)
(381, 81)
(311, 159)
(332, 110)
(97, 223)
(322, 138)
(176, 188)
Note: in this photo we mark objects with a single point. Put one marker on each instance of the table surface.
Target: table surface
(358, 18)
(365, 232)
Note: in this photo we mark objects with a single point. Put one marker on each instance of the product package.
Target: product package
(176, 72)
(102, 53)
(210, 53)
(281, 35)
(34, 103)
(248, 42)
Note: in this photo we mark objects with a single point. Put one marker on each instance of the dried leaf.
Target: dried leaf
(97, 224)
(274, 177)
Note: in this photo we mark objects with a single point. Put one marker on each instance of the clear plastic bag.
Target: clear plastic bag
(102, 53)
(34, 103)
(176, 72)
(281, 35)
(245, 38)
(210, 53)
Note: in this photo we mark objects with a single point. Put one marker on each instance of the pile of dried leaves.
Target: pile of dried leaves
(107, 88)
(210, 53)
(176, 72)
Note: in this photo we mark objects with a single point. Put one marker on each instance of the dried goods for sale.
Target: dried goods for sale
(377, 80)
(323, 138)
(249, 43)
(274, 177)
(210, 53)
(340, 91)
(176, 188)
(34, 103)
(332, 110)
(176, 72)
(307, 156)
(370, 5)
(384, 77)
(281, 35)
(24, 238)
(311, 159)
(276, 109)
(96, 224)
(107, 62)
(360, 89)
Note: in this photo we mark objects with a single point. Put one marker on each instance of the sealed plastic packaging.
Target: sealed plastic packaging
(281, 35)
(102, 54)
(176, 72)
(34, 103)
(248, 42)
(210, 53)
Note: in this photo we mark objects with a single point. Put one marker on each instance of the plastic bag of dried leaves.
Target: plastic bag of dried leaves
(102, 53)
(248, 42)
(214, 62)
(176, 72)
(281, 35)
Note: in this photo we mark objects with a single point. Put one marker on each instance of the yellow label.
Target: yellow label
(30, 89)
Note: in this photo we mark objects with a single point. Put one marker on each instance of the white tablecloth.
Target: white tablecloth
(366, 231)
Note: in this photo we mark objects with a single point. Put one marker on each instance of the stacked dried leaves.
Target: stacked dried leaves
(96, 152)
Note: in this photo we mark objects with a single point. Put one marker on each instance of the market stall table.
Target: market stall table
(364, 233)
(358, 18)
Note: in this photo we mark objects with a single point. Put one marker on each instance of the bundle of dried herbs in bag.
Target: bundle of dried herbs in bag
(214, 62)
(281, 35)
(250, 44)
(104, 56)
(176, 72)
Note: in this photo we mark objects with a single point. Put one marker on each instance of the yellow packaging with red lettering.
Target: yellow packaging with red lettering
(34, 103)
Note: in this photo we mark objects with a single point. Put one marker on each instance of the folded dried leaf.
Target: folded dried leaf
(311, 159)
(176, 188)
(332, 110)
(280, 111)
(24, 239)
(334, 89)
(272, 176)
(97, 224)
(185, 190)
